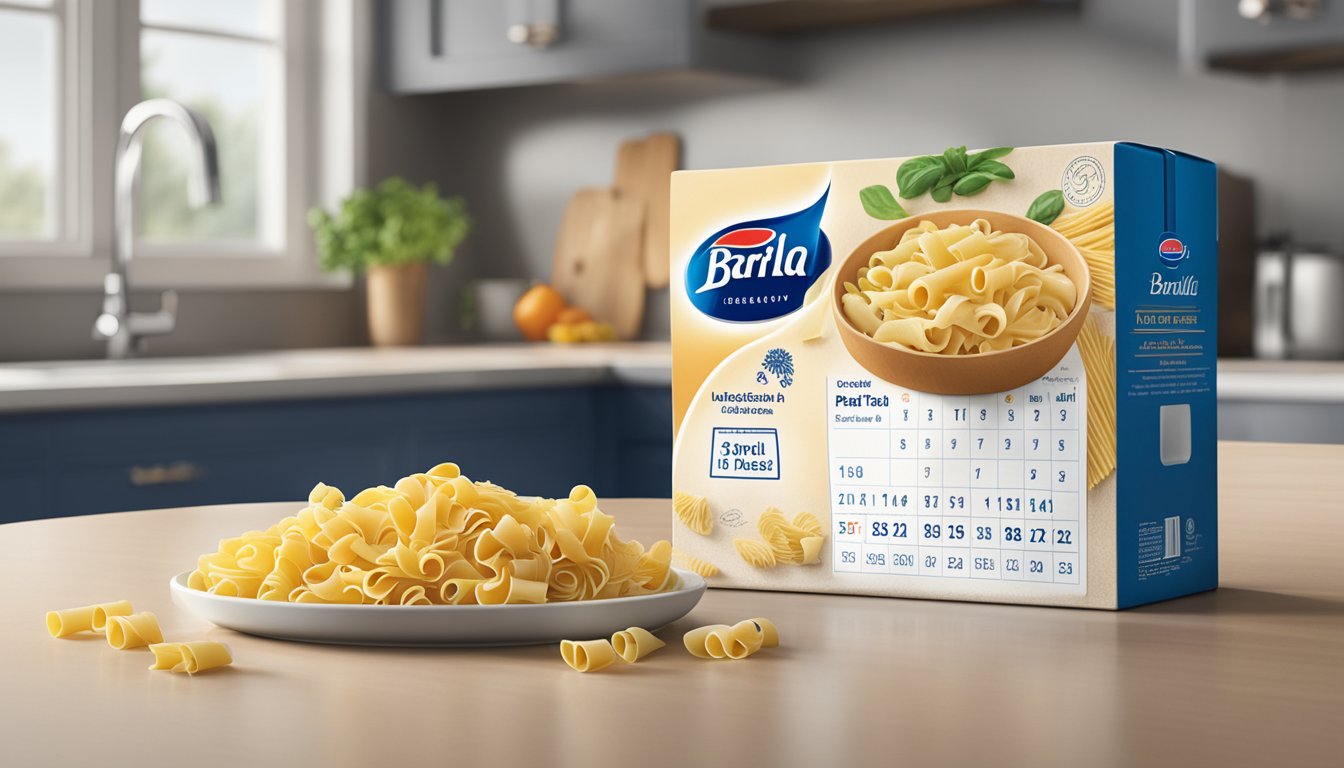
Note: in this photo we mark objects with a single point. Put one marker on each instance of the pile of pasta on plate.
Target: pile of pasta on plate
(437, 538)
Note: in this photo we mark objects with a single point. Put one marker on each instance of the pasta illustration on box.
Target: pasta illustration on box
(949, 376)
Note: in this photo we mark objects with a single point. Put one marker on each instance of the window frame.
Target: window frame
(325, 60)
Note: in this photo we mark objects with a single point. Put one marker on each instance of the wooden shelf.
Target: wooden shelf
(785, 17)
(1307, 59)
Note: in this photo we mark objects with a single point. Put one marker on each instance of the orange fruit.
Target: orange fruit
(573, 316)
(537, 310)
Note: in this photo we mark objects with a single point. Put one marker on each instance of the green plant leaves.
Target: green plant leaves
(942, 176)
(972, 184)
(394, 223)
(880, 203)
(1047, 207)
(918, 175)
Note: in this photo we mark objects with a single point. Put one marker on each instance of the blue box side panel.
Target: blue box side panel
(1166, 347)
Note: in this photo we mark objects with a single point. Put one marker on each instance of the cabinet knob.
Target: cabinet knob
(160, 474)
(537, 35)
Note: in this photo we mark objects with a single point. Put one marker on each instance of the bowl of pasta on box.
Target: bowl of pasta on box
(962, 302)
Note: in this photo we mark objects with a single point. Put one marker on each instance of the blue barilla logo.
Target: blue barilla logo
(1172, 251)
(760, 270)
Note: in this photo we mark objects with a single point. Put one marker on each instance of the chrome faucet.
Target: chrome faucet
(121, 328)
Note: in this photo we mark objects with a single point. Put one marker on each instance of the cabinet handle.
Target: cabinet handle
(539, 35)
(159, 474)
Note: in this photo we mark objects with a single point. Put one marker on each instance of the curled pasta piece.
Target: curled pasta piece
(694, 564)
(755, 553)
(192, 657)
(720, 641)
(85, 619)
(697, 640)
(134, 631)
(769, 632)
(634, 644)
(587, 655)
(693, 512)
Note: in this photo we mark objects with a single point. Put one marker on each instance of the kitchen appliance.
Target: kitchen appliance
(1298, 312)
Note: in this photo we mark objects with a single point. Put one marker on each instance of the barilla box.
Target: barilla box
(971, 375)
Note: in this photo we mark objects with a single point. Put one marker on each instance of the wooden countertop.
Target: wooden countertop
(1250, 675)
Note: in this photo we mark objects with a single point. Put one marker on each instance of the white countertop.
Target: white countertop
(1281, 381)
(326, 373)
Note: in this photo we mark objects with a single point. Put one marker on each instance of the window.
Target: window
(32, 138)
(268, 75)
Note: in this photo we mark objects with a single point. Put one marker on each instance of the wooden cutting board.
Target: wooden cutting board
(596, 264)
(644, 170)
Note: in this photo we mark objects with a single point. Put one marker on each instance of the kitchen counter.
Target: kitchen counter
(1281, 381)
(1252, 674)
(326, 373)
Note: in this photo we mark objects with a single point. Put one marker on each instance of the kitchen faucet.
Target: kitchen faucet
(118, 325)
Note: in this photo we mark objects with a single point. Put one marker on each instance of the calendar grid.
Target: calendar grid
(986, 488)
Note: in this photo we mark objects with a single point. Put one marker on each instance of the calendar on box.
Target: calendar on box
(988, 487)
(982, 375)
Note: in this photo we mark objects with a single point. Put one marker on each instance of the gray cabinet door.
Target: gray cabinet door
(453, 45)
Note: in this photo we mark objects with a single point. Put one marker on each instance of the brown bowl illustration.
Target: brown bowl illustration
(978, 374)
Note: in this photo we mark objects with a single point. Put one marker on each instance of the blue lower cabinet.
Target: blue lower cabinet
(541, 441)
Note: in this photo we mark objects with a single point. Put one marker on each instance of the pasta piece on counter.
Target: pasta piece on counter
(697, 640)
(769, 632)
(693, 512)
(191, 657)
(134, 631)
(757, 554)
(694, 564)
(587, 655)
(634, 644)
(1098, 351)
(720, 641)
(89, 618)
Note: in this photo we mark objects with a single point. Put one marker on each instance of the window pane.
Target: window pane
(28, 137)
(235, 85)
(255, 18)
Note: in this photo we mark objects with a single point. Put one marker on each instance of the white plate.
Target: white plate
(442, 625)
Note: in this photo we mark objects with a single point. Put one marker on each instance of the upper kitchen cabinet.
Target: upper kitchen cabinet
(800, 16)
(1264, 35)
(458, 45)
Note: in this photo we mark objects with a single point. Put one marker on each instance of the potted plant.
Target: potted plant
(392, 233)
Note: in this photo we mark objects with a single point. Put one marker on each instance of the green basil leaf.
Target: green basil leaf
(972, 184)
(880, 204)
(1047, 207)
(918, 175)
(994, 153)
(943, 192)
(955, 159)
(996, 169)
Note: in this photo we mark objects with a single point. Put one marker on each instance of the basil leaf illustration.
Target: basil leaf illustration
(918, 175)
(955, 158)
(989, 154)
(996, 169)
(943, 192)
(972, 184)
(1047, 207)
(880, 204)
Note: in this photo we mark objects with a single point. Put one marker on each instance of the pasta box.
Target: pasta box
(972, 375)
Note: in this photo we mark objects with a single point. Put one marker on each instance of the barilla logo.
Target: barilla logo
(759, 270)
(1172, 251)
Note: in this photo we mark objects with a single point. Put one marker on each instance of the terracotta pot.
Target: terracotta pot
(396, 296)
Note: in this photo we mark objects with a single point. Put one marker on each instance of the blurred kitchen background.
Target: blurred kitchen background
(253, 377)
